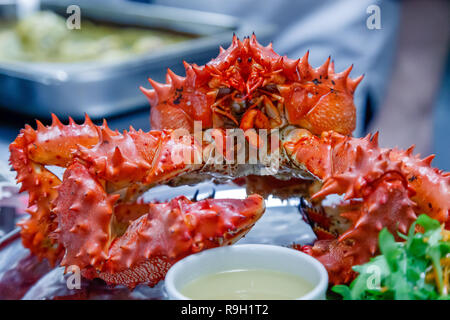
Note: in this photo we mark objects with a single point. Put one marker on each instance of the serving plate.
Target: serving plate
(23, 276)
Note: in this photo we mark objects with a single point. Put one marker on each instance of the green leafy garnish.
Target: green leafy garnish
(418, 268)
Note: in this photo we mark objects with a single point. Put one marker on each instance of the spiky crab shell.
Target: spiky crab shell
(171, 231)
(247, 86)
(270, 91)
(89, 218)
(30, 152)
(96, 232)
(387, 187)
(162, 235)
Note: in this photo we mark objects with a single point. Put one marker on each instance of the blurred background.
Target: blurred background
(93, 57)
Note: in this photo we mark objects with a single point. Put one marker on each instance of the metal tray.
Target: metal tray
(71, 89)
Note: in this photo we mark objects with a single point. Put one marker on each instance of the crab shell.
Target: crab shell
(269, 91)
(90, 218)
(251, 87)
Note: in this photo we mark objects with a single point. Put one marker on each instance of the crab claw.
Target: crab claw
(173, 230)
(106, 244)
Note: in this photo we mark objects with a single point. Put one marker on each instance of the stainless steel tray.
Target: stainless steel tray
(71, 89)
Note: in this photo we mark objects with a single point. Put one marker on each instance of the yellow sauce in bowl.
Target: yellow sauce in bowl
(253, 284)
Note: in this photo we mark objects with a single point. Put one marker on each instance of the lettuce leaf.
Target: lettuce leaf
(403, 269)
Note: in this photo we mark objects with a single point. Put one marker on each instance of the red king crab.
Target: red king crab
(92, 217)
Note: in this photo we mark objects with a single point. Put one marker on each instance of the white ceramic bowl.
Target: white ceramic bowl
(247, 256)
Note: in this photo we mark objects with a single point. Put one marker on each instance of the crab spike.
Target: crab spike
(55, 121)
(374, 140)
(190, 73)
(168, 78)
(151, 95)
(253, 40)
(352, 84)
(427, 161)
(323, 69)
(87, 120)
(105, 128)
(410, 150)
(373, 248)
(40, 126)
(235, 40)
(331, 67)
(187, 66)
(344, 74)
(158, 87)
(290, 65)
(117, 157)
(304, 59)
(330, 187)
(105, 132)
(75, 207)
(175, 79)
(359, 155)
(29, 128)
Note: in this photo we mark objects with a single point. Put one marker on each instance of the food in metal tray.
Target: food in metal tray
(44, 37)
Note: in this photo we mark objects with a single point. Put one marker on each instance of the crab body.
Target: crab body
(251, 86)
(93, 217)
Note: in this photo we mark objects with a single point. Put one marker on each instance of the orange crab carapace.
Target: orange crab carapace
(93, 217)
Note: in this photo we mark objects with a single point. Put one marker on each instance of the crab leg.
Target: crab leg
(387, 188)
(151, 243)
(91, 218)
(30, 152)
